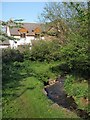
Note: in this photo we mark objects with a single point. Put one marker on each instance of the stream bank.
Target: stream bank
(57, 94)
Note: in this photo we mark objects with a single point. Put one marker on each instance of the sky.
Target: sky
(29, 11)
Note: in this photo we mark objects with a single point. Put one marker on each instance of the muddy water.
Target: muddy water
(57, 94)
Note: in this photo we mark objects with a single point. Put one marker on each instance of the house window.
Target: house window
(23, 35)
(37, 35)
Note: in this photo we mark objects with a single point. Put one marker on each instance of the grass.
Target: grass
(23, 95)
(77, 89)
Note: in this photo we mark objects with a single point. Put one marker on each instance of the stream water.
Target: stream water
(57, 94)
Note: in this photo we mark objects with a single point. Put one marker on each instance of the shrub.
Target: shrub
(11, 55)
(75, 55)
(73, 88)
(69, 81)
(45, 51)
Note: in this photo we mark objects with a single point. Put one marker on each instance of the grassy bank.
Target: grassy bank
(78, 88)
(23, 95)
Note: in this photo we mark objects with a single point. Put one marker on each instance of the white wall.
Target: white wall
(12, 44)
(22, 41)
(17, 37)
(8, 31)
(42, 38)
(3, 46)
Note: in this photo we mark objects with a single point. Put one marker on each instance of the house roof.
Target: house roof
(28, 26)
(6, 42)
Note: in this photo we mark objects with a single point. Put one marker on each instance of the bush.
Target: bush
(68, 82)
(74, 88)
(11, 55)
(45, 51)
(75, 55)
(39, 70)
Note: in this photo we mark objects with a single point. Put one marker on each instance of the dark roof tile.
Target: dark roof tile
(28, 26)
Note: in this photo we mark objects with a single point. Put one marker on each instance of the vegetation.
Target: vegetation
(45, 51)
(11, 23)
(75, 87)
(23, 95)
(24, 86)
(11, 55)
(67, 56)
(78, 88)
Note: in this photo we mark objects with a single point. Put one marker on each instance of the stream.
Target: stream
(57, 94)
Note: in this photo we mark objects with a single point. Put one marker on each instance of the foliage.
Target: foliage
(53, 17)
(74, 88)
(24, 71)
(11, 55)
(23, 97)
(72, 17)
(10, 23)
(22, 92)
(4, 36)
(45, 51)
(77, 15)
(13, 23)
(35, 69)
(75, 54)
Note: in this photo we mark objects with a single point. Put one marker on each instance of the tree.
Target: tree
(11, 23)
(77, 17)
(66, 17)
(53, 16)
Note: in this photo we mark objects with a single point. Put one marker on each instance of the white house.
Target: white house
(25, 34)
(4, 44)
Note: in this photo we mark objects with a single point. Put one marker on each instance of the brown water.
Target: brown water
(57, 94)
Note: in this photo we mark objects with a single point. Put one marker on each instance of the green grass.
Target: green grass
(77, 89)
(42, 67)
(30, 102)
(23, 95)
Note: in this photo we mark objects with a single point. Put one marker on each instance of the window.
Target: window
(37, 35)
(22, 35)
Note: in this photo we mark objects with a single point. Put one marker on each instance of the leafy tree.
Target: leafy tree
(53, 17)
(76, 15)
(11, 23)
(66, 17)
